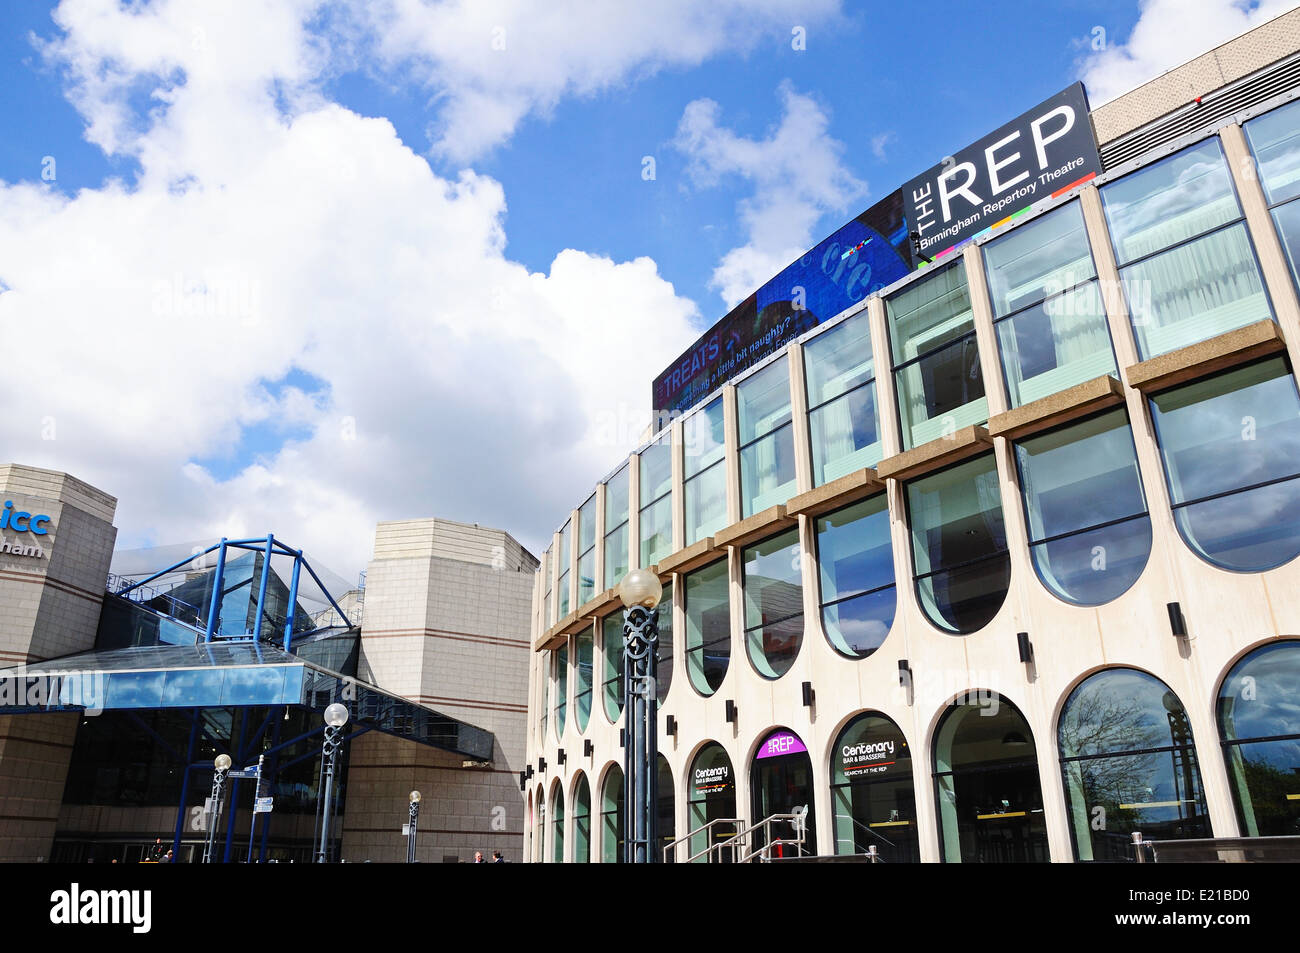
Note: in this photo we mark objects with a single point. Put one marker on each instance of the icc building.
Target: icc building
(979, 525)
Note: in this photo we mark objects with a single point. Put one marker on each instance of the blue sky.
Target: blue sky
(319, 264)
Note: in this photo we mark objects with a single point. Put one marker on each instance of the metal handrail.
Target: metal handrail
(672, 845)
(797, 818)
(1148, 851)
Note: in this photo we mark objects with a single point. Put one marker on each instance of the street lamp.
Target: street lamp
(414, 816)
(336, 716)
(640, 592)
(220, 765)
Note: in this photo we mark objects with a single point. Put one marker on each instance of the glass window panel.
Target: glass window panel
(656, 463)
(706, 503)
(557, 828)
(855, 558)
(1195, 291)
(708, 627)
(193, 688)
(561, 662)
(616, 557)
(1257, 703)
(712, 797)
(585, 650)
(1038, 260)
(845, 435)
(1056, 344)
(656, 531)
(773, 587)
(612, 643)
(562, 601)
(664, 674)
(611, 818)
(616, 500)
(665, 818)
(763, 400)
(703, 438)
(582, 822)
(959, 549)
(1109, 725)
(944, 390)
(1079, 476)
(1287, 219)
(587, 576)
(587, 524)
(251, 686)
(1093, 567)
(1170, 201)
(1275, 139)
(838, 360)
(767, 474)
(1220, 436)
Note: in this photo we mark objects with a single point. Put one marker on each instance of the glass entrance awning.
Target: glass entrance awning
(224, 675)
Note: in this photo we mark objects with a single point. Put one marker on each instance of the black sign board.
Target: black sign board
(1047, 151)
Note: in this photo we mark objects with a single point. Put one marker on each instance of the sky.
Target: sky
(301, 266)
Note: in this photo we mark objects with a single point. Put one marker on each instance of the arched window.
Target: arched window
(708, 627)
(557, 826)
(1128, 764)
(665, 822)
(1231, 448)
(611, 817)
(585, 644)
(612, 688)
(582, 821)
(987, 788)
(959, 545)
(871, 791)
(856, 561)
(1259, 726)
(1089, 533)
(561, 658)
(712, 798)
(773, 587)
(781, 783)
(539, 843)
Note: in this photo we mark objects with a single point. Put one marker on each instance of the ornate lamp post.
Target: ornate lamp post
(640, 592)
(336, 716)
(220, 765)
(413, 818)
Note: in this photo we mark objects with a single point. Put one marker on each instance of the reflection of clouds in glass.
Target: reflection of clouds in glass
(1117, 710)
(1259, 697)
(1247, 532)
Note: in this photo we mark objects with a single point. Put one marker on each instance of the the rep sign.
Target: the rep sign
(1048, 150)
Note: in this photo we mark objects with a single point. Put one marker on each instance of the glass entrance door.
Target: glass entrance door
(781, 783)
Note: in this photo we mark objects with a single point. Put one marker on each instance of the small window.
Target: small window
(705, 471)
(557, 827)
(587, 551)
(563, 602)
(612, 643)
(584, 644)
(560, 658)
(656, 473)
(616, 541)
(708, 626)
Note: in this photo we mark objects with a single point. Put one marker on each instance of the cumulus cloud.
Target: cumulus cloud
(284, 262)
(1167, 34)
(798, 174)
(492, 62)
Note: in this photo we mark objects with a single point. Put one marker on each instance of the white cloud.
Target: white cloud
(1167, 34)
(879, 142)
(269, 230)
(492, 62)
(798, 175)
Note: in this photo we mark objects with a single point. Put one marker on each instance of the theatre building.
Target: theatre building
(128, 674)
(994, 559)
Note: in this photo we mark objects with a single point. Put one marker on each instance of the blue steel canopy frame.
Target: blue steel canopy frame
(268, 546)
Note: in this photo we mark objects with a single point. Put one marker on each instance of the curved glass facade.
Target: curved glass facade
(1089, 533)
(855, 556)
(871, 791)
(1128, 764)
(708, 626)
(773, 585)
(959, 545)
(1231, 449)
(1259, 726)
(990, 802)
